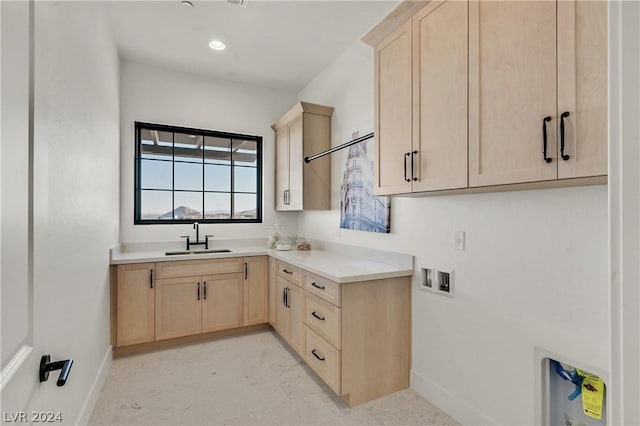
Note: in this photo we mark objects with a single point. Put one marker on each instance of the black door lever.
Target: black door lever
(46, 366)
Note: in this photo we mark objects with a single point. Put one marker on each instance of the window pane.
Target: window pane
(155, 205)
(217, 150)
(245, 152)
(156, 144)
(188, 147)
(217, 206)
(188, 176)
(245, 206)
(188, 205)
(155, 174)
(217, 178)
(244, 179)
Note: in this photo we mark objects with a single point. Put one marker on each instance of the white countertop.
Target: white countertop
(331, 262)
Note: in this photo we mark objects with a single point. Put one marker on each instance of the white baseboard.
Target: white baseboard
(448, 402)
(96, 388)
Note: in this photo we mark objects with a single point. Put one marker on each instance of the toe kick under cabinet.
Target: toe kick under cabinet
(356, 336)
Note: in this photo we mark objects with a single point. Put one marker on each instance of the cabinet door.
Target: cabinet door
(440, 96)
(272, 291)
(256, 290)
(178, 307)
(296, 304)
(221, 301)
(282, 167)
(393, 112)
(296, 163)
(512, 88)
(582, 87)
(135, 304)
(283, 313)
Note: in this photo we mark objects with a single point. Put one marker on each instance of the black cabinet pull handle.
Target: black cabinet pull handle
(287, 272)
(313, 351)
(204, 295)
(564, 156)
(321, 287)
(151, 278)
(198, 291)
(544, 139)
(317, 316)
(46, 366)
(413, 176)
(284, 296)
(245, 270)
(407, 154)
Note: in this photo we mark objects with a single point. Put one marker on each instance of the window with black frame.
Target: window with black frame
(184, 175)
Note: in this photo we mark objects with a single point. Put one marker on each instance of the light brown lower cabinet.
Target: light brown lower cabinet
(355, 336)
(166, 300)
(135, 304)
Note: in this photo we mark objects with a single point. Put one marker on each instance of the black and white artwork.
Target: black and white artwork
(360, 209)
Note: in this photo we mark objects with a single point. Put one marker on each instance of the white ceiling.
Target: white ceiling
(281, 44)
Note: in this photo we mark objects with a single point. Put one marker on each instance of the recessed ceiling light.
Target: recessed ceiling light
(217, 45)
(186, 3)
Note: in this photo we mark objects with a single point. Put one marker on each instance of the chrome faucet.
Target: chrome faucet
(196, 226)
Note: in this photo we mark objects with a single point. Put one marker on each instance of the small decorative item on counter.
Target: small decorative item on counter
(276, 234)
(302, 244)
(283, 245)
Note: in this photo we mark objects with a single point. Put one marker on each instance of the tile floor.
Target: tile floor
(251, 379)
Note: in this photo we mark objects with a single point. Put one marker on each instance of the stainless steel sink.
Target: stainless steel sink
(186, 252)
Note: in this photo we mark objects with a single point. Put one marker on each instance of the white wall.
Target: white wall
(624, 208)
(534, 272)
(76, 197)
(155, 95)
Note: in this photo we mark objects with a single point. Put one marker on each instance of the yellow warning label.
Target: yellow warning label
(592, 394)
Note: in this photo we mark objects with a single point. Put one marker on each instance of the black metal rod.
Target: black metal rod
(338, 148)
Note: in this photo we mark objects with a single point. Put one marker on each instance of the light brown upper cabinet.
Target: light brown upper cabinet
(582, 87)
(490, 93)
(421, 102)
(440, 96)
(393, 112)
(537, 91)
(302, 132)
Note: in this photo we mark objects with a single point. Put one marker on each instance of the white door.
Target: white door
(22, 346)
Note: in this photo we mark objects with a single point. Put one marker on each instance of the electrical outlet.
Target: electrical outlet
(427, 278)
(458, 241)
(444, 282)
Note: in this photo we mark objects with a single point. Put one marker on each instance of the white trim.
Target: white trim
(96, 389)
(448, 402)
(14, 365)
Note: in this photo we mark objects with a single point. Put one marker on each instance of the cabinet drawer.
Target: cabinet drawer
(191, 268)
(323, 358)
(289, 272)
(324, 319)
(326, 289)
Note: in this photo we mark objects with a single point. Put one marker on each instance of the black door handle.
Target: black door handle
(321, 287)
(313, 351)
(284, 297)
(317, 316)
(406, 154)
(544, 139)
(413, 176)
(287, 272)
(564, 156)
(46, 366)
(151, 278)
(198, 291)
(204, 295)
(245, 270)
